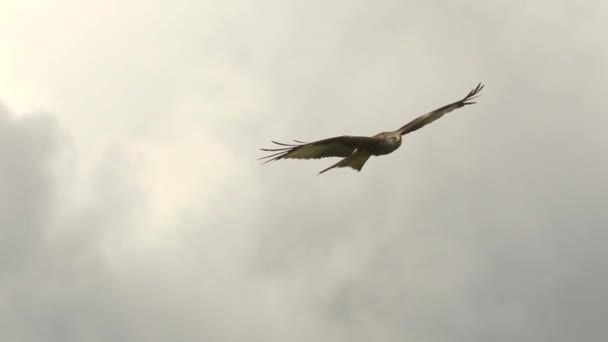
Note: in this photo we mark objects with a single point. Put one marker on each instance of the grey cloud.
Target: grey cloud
(26, 180)
(487, 225)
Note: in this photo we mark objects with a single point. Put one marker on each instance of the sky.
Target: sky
(133, 207)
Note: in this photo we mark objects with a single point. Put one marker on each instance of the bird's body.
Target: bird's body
(387, 143)
(356, 150)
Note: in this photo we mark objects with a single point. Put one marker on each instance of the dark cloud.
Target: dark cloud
(27, 147)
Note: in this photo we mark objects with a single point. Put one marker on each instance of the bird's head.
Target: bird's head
(394, 138)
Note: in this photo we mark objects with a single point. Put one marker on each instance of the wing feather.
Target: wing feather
(342, 146)
(427, 118)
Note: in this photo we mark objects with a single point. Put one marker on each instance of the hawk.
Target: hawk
(356, 150)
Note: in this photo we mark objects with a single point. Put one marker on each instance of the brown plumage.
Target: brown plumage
(356, 150)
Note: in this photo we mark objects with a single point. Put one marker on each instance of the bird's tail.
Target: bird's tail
(355, 161)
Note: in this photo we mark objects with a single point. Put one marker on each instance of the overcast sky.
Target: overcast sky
(132, 207)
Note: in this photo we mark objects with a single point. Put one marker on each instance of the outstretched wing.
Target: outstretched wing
(427, 118)
(342, 146)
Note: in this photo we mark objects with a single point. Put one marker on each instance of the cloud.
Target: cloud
(136, 210)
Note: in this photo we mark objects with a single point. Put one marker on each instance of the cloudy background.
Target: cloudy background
(132, 207)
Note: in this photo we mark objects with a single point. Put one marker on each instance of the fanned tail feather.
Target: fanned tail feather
(355, 161)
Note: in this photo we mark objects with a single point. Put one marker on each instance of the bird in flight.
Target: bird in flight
(356, 150)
